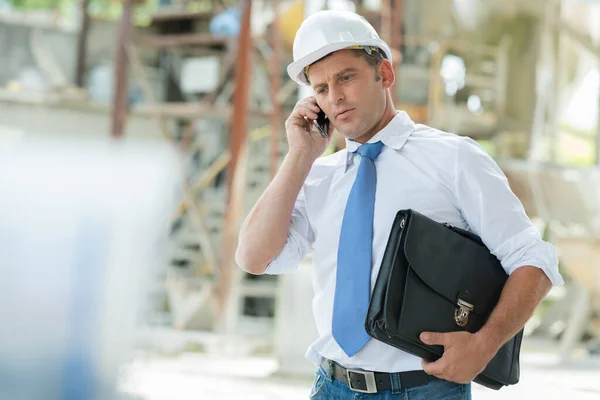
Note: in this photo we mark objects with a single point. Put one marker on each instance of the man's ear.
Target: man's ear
(387, 74)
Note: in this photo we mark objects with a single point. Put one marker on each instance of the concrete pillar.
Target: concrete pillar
(295, 328)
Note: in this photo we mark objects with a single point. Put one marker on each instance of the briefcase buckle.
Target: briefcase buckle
(369, 380)
(461, 314)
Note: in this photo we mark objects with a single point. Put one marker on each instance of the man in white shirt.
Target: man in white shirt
(311, 205)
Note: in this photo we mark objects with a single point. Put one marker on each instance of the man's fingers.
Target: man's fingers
(306, 112)
(435, 368)
(433, 338)
(314, 107)
(309, 102)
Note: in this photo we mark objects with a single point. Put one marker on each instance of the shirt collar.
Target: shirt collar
(394, 135)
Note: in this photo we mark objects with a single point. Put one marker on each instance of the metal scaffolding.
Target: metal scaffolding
(237, 66)
(231, 102)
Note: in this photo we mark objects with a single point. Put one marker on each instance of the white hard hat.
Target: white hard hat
(327, 31)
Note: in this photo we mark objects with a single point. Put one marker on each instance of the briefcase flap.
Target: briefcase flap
(453, 263)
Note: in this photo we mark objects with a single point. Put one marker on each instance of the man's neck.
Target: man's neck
(388, 115)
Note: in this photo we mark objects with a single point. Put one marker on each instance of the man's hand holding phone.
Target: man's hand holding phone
(302, 132)
(322, 124)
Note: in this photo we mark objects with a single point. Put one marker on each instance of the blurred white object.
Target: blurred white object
(32, 80)
(453, 71)
(9, 137)
(341, 5)
(82, 231)
(200, 74)
(100, 83)
(373, 5)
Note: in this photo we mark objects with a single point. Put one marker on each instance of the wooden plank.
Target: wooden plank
(187, 39)
(211, 172)
(192, 111)
(205, 179)
(179, 15)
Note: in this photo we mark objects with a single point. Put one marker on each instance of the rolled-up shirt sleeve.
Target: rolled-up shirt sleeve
(494, 212)
(300, 239)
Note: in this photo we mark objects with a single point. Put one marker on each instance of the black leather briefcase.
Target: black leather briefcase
(438, 278)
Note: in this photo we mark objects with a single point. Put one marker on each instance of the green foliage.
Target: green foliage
(103, 9)
(489, 146)
(36, 4)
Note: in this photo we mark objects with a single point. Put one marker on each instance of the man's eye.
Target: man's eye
(346, 77)
(321, 91)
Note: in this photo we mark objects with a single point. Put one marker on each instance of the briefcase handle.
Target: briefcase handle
(466, 234)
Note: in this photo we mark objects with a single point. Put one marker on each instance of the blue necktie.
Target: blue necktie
(353, 279)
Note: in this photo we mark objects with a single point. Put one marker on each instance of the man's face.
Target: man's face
(347, 90)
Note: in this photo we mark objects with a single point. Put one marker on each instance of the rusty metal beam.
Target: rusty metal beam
(386, 21)
(275, 87)
(235, 187)
(119, 113)
(82, 39)
(242, 91)
(396, 44)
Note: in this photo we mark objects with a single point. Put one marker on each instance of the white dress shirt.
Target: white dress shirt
(446, 177)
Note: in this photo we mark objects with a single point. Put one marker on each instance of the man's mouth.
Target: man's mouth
(344, 112)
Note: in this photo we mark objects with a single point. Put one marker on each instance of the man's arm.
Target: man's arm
(494, 213)
(264, 232)
(466, 354)
(523, 292)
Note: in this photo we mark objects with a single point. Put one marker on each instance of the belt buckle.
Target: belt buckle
(369, 380)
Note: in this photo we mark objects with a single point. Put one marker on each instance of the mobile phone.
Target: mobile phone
(322, 124)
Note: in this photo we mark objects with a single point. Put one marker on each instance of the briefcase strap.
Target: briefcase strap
(372, 382)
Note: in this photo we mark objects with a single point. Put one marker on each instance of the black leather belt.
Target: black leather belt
(372, 382)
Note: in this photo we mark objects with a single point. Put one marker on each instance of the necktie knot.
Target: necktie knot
(370, 150)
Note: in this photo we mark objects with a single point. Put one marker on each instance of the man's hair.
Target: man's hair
(373, 59)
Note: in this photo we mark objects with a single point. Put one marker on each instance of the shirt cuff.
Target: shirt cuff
(281, 264)
(528, 248)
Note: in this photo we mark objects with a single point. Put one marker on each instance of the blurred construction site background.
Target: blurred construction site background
(136, 135)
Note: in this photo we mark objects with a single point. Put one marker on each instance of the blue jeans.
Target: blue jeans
(327, 388)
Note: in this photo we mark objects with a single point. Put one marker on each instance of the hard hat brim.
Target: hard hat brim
(296, 69)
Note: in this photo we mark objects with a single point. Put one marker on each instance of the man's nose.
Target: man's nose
(335, 95)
